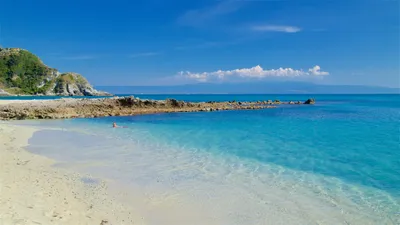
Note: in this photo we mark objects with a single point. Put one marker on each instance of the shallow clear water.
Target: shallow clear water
(336, 162)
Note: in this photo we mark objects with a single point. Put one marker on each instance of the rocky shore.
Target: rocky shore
(120, 106)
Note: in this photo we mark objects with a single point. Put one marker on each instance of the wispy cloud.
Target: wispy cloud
(200, 45)
(144, 54)
(210, 44)
(199, 17)
(256, 72)
(319, 30)
(275, 28)
(79, 57)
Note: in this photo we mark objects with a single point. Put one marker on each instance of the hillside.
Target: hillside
(22, 72)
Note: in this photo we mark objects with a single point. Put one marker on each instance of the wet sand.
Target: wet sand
(34, 192)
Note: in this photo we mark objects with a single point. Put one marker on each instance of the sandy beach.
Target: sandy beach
(6, 102)
(34, 192)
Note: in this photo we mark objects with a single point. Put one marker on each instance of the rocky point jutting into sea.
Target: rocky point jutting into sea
(23, 73)
(120, 106)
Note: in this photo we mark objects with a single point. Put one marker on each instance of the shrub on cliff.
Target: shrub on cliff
(22, 72)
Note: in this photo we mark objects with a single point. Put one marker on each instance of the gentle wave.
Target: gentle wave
(332, 163)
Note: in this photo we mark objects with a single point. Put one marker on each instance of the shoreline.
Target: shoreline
(121, 106)
(35, 192)
(18, 101)
(153, 205)
(143, 177)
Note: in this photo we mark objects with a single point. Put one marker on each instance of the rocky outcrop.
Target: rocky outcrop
(310, 101)
(22, 72)
(73, 84)
(3, 93)
(123, 106)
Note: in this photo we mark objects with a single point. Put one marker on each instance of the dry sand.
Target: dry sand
(6, 102)
(34, 192)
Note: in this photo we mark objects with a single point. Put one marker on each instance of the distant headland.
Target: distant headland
(23, 73)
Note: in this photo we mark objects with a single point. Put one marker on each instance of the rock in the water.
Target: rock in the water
(174, 103)
(117, 106)
(310, 101)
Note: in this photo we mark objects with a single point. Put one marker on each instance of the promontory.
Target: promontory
(23, 73)
(120, 106)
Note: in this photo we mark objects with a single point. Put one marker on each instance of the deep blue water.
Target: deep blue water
(351, 141)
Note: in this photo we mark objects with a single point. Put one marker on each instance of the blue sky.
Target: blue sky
(165, 42)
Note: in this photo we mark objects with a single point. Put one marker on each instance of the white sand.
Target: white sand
(6, 102)
(33, 192)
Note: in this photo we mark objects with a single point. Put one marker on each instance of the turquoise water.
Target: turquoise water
(336, 162)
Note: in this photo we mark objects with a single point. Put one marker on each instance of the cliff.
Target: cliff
(22, 72)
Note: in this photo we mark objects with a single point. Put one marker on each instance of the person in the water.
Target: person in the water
(116, 126)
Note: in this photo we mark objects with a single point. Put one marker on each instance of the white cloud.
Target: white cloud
(144, 54)
(256, 72)
(274, 28)
(316, 70)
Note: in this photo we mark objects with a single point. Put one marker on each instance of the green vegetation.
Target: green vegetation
(61, 81)
(22, 72)
(66, 78)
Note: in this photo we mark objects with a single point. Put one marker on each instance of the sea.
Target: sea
(335, 162)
